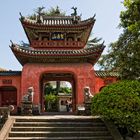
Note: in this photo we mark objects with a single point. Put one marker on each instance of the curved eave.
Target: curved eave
(33, 24)
(26, 55)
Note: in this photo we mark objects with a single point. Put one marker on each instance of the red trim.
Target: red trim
(57, 44)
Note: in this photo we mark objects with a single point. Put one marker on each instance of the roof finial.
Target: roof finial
(57, 11)
(11, 42)
(39, 10)
(103, 42)
(40, 13)
(22, 17)
(75, 11)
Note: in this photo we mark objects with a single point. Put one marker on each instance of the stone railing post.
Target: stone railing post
(5, 113)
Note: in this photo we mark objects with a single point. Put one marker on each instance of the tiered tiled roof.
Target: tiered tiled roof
(30, 55)
(57, 39)
(57, 24)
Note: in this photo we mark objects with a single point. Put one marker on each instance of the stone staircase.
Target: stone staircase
(59, 128)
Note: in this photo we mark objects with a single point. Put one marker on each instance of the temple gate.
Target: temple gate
(57, 45)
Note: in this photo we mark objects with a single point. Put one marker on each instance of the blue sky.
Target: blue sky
(107, 20)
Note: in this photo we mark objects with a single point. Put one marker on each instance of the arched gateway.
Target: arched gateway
(58, 46)
(80, 75)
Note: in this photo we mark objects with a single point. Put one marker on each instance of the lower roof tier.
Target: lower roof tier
(29, 55)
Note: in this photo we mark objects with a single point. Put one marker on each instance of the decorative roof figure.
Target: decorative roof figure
(40, 13)
(75, 11)
(57, 11)
(22, 17)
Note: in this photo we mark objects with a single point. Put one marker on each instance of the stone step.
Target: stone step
(53, 128)
(94, 128)
(59, 120)
(55, 124)
(58, 134)
(62, 138)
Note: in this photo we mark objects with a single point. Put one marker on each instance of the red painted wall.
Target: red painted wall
(103, 81)
(83, 76)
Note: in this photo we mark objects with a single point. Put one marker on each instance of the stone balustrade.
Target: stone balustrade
(5, 113)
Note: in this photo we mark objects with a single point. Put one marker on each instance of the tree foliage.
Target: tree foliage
(94, 41)
(51, 102)
(49, 89)
(51, 12)
(130, 18)
(124, 54)
(120, 103)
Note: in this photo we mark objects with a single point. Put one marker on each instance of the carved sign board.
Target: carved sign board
(57, 36)
(7, 81)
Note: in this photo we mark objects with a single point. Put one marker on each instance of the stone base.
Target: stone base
(26, 108)
(36, 110)
(87, 108)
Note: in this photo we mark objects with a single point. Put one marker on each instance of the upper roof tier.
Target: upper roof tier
(57, 21)
(56, 28)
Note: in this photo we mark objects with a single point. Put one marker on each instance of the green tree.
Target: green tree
(54, 11)
(51, 12)
(94, 41)
(48, 89)
(124, 55)
(51, 102)
(130, 18)
(65, 90)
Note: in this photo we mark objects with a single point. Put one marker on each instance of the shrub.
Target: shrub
(51, 102)
(120, 103)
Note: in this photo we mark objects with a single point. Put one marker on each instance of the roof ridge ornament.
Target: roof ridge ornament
(39, 12)
(11, 42)
(21, 16)
(57, 11)
(75, 11)
(103, 42)
(76, 18)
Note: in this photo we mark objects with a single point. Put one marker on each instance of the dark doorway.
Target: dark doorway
(8, 96)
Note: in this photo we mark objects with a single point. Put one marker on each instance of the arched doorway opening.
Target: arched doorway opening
(57, 92)
(8, 96)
